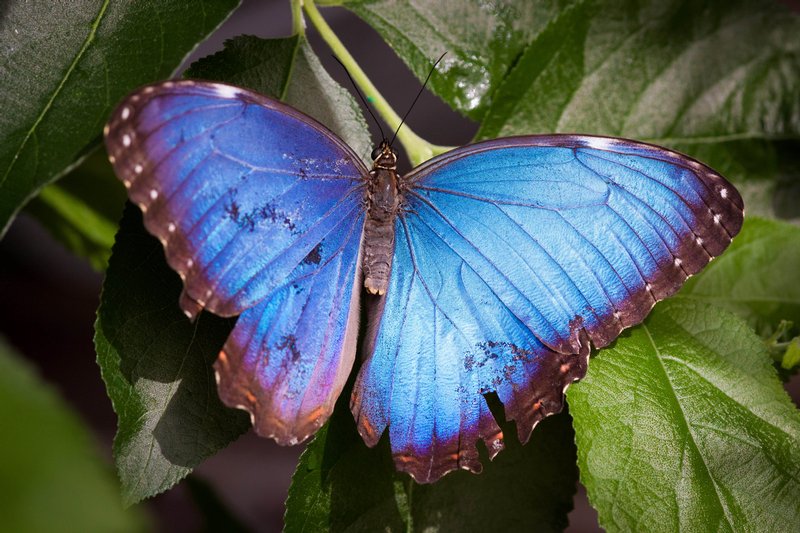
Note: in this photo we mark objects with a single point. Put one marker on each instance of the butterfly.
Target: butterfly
(494, 268)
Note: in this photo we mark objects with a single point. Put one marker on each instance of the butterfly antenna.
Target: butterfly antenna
(364, 100)
(416, 98)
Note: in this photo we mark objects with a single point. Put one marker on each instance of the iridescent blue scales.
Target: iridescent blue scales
(512, 259)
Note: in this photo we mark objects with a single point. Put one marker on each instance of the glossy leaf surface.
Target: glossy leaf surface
(64, 66)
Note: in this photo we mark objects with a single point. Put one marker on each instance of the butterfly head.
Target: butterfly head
(384, 156)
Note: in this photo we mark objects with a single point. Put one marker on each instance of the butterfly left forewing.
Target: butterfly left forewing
(238, 187)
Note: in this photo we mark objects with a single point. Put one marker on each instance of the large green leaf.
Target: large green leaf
(677, 73)
(717, 80)
(53, 478)
(757, 277)
(157, 368)
(683, 425)
(672, 71)
(63, 66)
(341, 485)
(156, 364)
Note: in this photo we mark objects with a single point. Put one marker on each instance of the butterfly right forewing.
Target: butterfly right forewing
(512, 258)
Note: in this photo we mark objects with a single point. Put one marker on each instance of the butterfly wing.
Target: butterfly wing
(259, 210)
(513, 256)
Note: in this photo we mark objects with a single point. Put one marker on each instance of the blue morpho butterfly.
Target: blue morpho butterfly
(498, 265)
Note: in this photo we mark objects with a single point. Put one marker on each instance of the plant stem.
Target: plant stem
(298, 22)
(417, 148)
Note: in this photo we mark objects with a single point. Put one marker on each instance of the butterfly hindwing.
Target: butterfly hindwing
(446, 339)
(280, 362)
(259, 208)
(513, 256)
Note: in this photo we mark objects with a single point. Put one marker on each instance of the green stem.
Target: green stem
(298, 22)
(417, 148)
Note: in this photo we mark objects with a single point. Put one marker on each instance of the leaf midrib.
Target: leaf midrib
(685, 422)
(62, 83)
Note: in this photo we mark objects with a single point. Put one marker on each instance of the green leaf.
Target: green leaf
(157, 368)
(53, 478)
(486, 41)
(156, 364)
(715, 80)
(83, 208)
(341, 485)
(756, 277)
(674, 73)
(683, 425)
(63, 66)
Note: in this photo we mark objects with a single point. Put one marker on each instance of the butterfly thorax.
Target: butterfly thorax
(383, 205)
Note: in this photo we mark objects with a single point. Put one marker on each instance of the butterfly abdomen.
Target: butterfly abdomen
(383, 205)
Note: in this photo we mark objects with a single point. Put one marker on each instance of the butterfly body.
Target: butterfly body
(498, 266)
(384, 200)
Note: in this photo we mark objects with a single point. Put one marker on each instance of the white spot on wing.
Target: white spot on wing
(699, 241)
(226, 91)
(153, 194)
(678, 261)
(189, 263)
(138, 168)
(171, 227)
(126, 140)
(105, 130)
(127, 183)
(717, 218)
(723, 193)
(126, 112)
(112, 159)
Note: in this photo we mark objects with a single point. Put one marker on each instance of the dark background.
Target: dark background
(49, 296)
